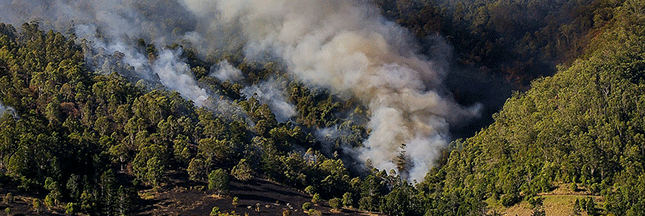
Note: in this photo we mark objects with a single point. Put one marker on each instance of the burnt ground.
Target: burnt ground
(179, 197)
(22, 203)
(256, 197)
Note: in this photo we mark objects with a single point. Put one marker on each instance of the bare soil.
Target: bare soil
(256, 197)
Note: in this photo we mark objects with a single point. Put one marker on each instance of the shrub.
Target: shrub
(36, 205)
(306, 206)
(218, 180)
(315, 212)
(286, 212)
(8, 198)
(70, 209)
(347, 199)
(335, 203)
(310, 190)
(236, 201)
(214, 211)
(316, 198)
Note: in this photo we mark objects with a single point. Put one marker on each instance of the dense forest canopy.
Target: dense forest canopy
(107, 100)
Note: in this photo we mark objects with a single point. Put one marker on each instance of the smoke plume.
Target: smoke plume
(271, 93)
(344, 46)
(225, 71)
(348, 47)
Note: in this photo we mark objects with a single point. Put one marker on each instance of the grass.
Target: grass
(560, 201)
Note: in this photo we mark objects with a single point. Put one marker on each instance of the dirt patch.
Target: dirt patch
(179, 197)
(21, 203)
(559, 201)
(256, 197)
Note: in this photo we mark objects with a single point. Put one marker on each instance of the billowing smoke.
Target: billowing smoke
(344, 46)
(271, 93)
(176, 75)
(110, 28)
(166, 68)
(225, 71)
(348, 47)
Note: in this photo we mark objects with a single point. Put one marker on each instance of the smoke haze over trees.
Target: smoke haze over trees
(319, 93)
(345, 47)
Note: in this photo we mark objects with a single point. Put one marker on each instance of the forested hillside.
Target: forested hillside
(581, 127)
(92, 140)
(88, 125)
(519, 40)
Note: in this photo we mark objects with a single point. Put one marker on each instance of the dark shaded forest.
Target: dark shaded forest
(86, 141)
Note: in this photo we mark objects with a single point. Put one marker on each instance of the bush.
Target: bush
(242, 171)
(36, 205)
(236, 201)
(335, 203)
(218, 180)
(310, 190)
(286, 212)
(315, 212)
(49, 202)
(366, 203)
(316, 198)
(214, 211)
(594, 188)
(70, 209)
(306, 206)
(8, 198)
(347, 199)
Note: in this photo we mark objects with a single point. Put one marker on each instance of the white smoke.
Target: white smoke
(8, 110)
(348, 47)
(111, 27)
(271, 92)
(167, 68)
(225, 71)
(330, 137)
(345, 46)
(176, 75)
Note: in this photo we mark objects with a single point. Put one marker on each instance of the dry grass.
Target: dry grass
(560, 201)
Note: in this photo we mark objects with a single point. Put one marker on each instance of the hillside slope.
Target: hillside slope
(582, 127)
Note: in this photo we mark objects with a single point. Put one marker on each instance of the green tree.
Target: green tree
(218, 180)
(197, 169)
(55, 193)
(70, 209)
(242, 171)
(155, 173)
(335, 203)
(72, 186)
(49, 201)
(124, 200)
(348, 199)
